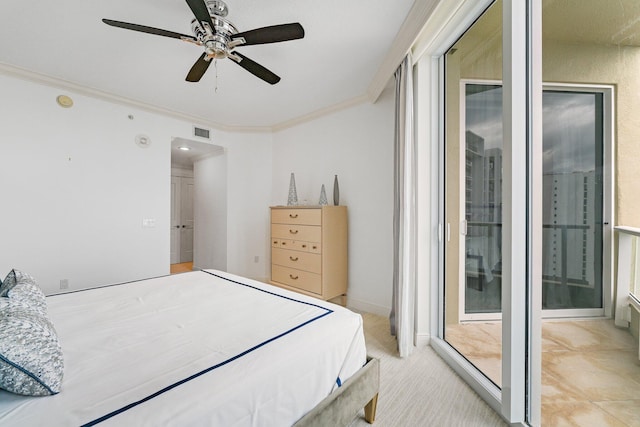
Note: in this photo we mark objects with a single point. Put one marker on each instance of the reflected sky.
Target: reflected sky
(569, 128)
(569, 132)
(483, 113)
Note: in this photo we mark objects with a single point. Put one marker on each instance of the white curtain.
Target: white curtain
(404, 213)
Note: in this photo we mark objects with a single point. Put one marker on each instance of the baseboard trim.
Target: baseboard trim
(367, 307)
(422, 340)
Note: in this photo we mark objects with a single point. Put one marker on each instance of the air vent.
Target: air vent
(202, 133)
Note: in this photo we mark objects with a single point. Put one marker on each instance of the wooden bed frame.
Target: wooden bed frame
(342, 406)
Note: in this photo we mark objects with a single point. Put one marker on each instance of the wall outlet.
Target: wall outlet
(64, 283)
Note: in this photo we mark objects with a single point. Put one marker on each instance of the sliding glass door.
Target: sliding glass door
(473, 134)
(481, 231)
(525, 205)
(572, 210)
(572, 201)
(486, 202)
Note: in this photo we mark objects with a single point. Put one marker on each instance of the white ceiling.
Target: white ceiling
(345, 45)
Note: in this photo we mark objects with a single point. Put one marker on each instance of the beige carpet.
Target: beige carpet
(421, 390)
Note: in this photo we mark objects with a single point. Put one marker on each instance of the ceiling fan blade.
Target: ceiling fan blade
(255, 68)
(272, 34)
(148, 30)
(201, 12)
(198, 69)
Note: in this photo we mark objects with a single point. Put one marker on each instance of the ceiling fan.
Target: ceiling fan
(219, 37)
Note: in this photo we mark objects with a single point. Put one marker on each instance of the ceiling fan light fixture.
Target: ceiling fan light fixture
(184, 148)
(217, 7)
(216, 44)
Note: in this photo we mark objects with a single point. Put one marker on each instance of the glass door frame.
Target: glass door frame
(462, 292)
(518, 401)
(608, 117)
(608, 120)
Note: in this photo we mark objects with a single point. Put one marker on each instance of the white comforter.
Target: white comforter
(196, 349)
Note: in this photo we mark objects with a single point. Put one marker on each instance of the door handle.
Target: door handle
(177, 226)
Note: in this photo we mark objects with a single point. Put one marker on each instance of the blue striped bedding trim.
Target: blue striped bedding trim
(196, 375)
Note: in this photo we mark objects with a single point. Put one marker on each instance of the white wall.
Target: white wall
(210, 213)
(357, 145)
(75, 189)
(249, 195)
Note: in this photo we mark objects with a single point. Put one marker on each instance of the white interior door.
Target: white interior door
(186, 220)
(174, 230)
(181, 232)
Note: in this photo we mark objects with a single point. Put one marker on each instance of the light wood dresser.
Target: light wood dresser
(309, 250)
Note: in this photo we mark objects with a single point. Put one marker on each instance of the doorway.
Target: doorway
(198, 205)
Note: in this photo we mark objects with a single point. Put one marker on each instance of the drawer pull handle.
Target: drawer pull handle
(293, 277)
(293, 231)
(293, 258)
(304, 246)
(293, 215)
(275, 242)
(315, 247)
(284, 243)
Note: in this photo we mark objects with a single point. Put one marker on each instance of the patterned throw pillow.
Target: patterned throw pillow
(13, 278)
(29, 296)
(31, 361)
(23, 290)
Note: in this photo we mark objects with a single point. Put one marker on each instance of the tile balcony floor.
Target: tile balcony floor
(590, 369)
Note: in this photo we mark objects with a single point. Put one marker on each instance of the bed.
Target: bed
(202, 348)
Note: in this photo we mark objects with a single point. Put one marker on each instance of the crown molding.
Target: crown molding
(411, 28)
(362, 99)
(34, 77)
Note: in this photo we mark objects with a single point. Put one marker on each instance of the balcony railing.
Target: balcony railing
(493, 230)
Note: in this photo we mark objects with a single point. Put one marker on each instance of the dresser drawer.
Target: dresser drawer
(296, 216)
(306, 233)
(304, 280)
(299, 260)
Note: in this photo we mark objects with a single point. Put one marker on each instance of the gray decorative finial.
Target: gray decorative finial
(323, 197)
(292, 200)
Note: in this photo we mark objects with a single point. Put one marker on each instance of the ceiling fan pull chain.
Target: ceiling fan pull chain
(215, 64)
